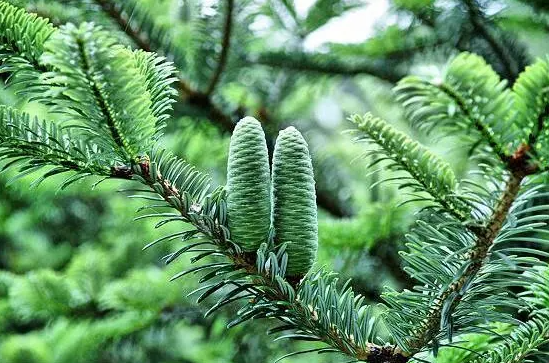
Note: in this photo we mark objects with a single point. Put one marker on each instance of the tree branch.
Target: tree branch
(224, 48)
(323, 63)
(101, 102)
(481, 127)
(265, 287)
(508, 63)
(477, 257)
(519, 167)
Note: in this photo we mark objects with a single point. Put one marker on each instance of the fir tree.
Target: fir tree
(476, 252)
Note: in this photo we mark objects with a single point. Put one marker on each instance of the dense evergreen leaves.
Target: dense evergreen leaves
(22, 33)
(428, 173)
(477, 256)
(22, 38)
(158, 75)
(30, 145)
(469, 98)
(532, 106)
(101, 88)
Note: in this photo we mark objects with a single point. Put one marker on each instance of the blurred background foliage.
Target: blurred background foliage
(74, 283)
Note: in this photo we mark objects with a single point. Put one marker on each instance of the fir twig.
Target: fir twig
(264, 286)
(508, 63)
(225, 45)
(188, 93)
(322, 63)
(479, 125)
(105, 109)
(477, 256)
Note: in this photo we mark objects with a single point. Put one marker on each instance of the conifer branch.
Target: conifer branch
(27, 41)
(509, 64)
(310, 304)
(532, 105)
(429, 173)
(100, 99)
(225, 45)
(21, 46)
(30, 145)
(188, 93)
(477, 256)
(324, 63)
(294, 313)
(486, 133)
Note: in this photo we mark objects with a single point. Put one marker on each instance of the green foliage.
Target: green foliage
(471, 257)
(428, 173)
(23, 34)
(471, 345)
(413, 5)
(327, 307)
(102, 88)
(25, 349)
(188, 184)
(248, 186)
(531, 100)
(390, 44)
(90, 270)
(539, 4)
(523, 341)
(140, 291)
(323, 11)
(31, 145)
(139, 20)
(379, 222)
(469, 98)
(158, 75)
(294, 208)
(22, 38)
(43, 295)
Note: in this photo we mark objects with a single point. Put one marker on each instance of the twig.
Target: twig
(480, 126)
(224, 48)
(101, 102)
(508, 63)
(321, 63)
(268, 288)
(519, 167)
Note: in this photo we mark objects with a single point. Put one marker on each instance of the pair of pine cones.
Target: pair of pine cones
(283, 200)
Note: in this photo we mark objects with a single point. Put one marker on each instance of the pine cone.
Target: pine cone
(294, 200)
(248, 186)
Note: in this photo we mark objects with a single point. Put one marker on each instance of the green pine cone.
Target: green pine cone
(294, 200)
(248, 186)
